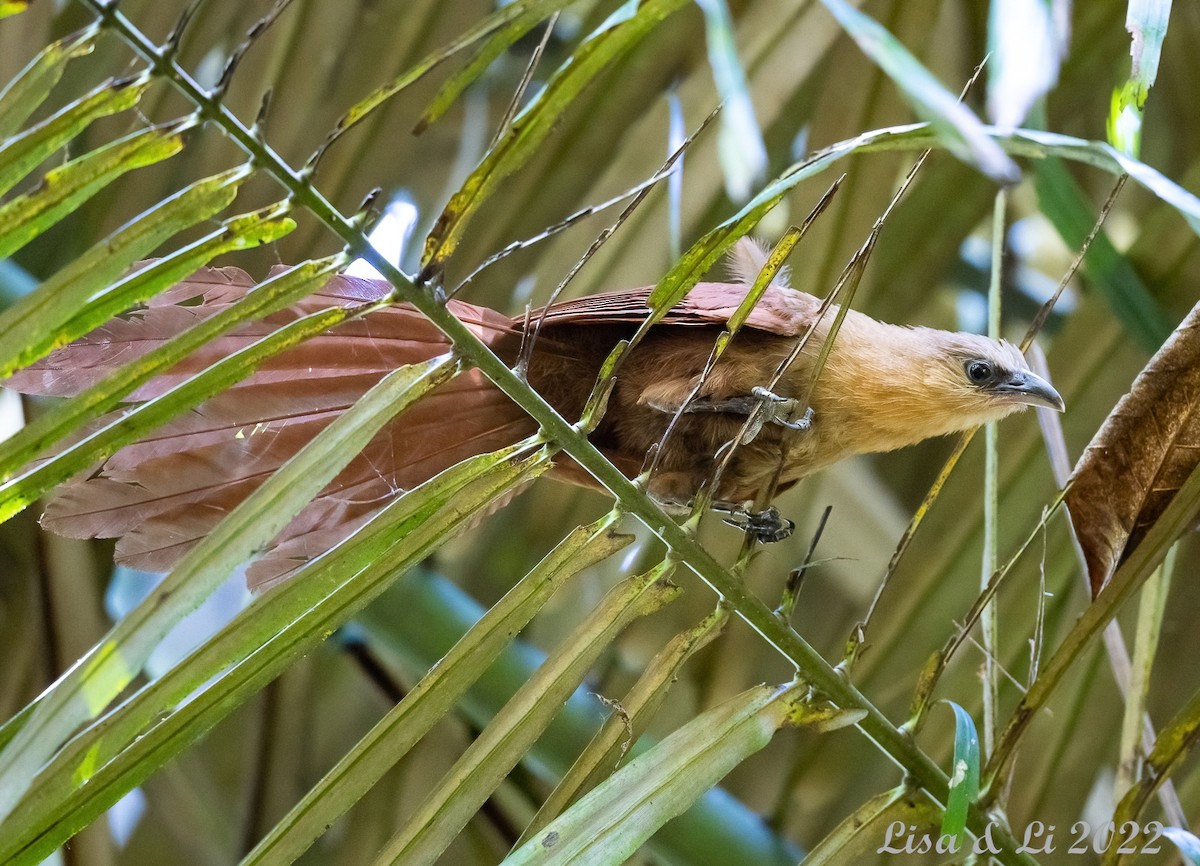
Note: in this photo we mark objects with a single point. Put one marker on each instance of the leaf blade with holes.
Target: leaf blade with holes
(65, 188)
(22, 153)
(30, 328)
(22, 96)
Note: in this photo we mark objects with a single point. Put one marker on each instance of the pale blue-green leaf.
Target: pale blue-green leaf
(1188, 845)
(964, 774)
(1146, 21)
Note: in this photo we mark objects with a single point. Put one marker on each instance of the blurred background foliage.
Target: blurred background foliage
(811, 86)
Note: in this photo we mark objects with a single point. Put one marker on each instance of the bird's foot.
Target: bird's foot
(766, 526)
(773, 409)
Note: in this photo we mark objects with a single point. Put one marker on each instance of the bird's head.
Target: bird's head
(982, 378)
(890, 386)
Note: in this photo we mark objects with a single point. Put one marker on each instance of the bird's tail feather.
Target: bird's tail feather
(163, 494)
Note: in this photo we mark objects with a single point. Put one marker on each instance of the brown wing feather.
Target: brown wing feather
(163, 494)
(782, 311)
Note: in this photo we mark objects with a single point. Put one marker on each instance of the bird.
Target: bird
(882, 387)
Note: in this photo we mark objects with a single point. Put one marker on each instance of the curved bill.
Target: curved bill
(1030, 389)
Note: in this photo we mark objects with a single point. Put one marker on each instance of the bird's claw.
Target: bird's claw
(766, 526)
(775, 410)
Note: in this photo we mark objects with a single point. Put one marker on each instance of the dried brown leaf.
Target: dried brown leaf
(1139, 458)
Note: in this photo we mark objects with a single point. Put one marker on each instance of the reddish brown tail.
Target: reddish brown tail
(162, 495)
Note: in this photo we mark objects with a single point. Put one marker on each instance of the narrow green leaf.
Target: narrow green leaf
(502, 744)
(87, 688)
(30, 328)
(416, 623)
(436, 693)
(30, 88)
(119, 751)
(68, 321)
(501, 20)
(602, 48)
(1174, 743)
(1188, 845)
(956, 125)
(886, 821)
(602, 755)
(740, 146)
(496, 44)
(65, 188)
(21, 154)
(964, 774)
(268, 297)
(609, 824)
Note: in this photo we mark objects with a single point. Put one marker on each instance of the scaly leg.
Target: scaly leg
(766, 526)
(763, 407)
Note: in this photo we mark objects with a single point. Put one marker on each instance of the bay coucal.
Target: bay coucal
(883, 387)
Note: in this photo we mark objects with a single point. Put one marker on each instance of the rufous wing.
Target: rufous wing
(161, 495)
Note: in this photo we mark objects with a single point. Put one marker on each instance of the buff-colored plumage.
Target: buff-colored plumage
(885, 386)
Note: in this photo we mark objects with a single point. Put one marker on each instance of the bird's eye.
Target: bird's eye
(979, 371)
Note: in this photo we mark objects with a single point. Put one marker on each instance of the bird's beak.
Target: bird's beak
(1031, 390)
